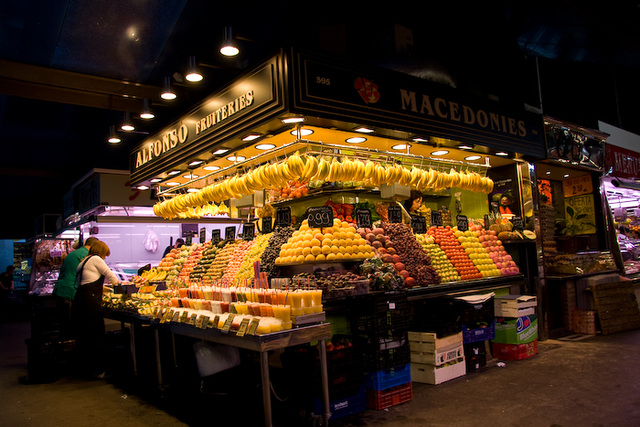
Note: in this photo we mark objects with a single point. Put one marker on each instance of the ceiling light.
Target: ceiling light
(171, 183)
(474, 157)
(502, 153)
(566, 175)
(439, 152)
(146, 112)
(251, 137)
(548, 172)
(220, 151)
(113, 136)
(193, 190)
(154, 180)
(356, 140)
(364, 130)
(235, 158)
(465, 147)
(190, 176)
(229, 46)
(142, 187)
(173, 172)
(211, 168)
(193, 75)
(265, 146)
(301, 132)
(289, 120)
(127, 126)
(401, 146)
(418, 139)
(167, 92)
(195, 163)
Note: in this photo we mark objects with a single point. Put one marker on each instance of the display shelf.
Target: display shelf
(465, 286)
(316, 263)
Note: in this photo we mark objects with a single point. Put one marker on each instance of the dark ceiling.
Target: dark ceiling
(70, 68)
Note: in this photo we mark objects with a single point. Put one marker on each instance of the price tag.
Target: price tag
(395, 213)
(215, 237)
(267, 225)
(363, 218)
(193, 320)
(227, 324)
(204, 322)
(517, 223)
(229, 233)
(203, 235)
(418, 224)
(166, 316)
(436, 218)
(176, 316)
(242, 329)
(283, 217)
(462, 222)
(216, 321)
(577, 186)
(320, 216)
(183, 317)
(248, 231)
(253, 327)
(486, 222)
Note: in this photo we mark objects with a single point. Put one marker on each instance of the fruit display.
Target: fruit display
(152, 275)
(477, 252)
(383, 276)
(342, 211)
(208, 255)
(219, 264)
(235, 260)
(172, 262)
(502, 260)
(439, 260)
(254, 254)
(412, 258)
(334, 285)
(193, 256)
(291, 190)
(278, 238)
(443, 236)
(337, 243)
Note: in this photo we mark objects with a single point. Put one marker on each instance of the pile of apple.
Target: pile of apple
(503, 261)
(444, 237)
(439, 260)
(470, 241)
(412, 257)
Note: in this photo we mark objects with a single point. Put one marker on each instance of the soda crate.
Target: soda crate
(343, 407)
(483, 333)
(388, 378)
(515, 351)
(429, 374)
(379, 360)
(384, 399)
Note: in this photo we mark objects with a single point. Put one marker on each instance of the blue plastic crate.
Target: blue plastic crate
(478, 334)
(388, 378)
(343, 407)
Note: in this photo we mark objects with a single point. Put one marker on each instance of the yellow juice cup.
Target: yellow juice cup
(296, 299)
(307, 299)
(295, 312)
(317, 308)
(287, 325)
(281, 297)
(285, 312)
(316, 296)
(277, 311)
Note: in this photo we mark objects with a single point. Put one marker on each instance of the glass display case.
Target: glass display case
(48, 255)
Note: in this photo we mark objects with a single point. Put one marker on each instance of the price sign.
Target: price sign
(320, 216)
(242, 329)
(253, 327)
(283, 217)
(215, 236)
(249, 231)
(363, 218)
(517, 223)
(204, 322)
(462, 222)
(229, 233)
(176, 317)
(203, 235)
(418, 224)
(577, 186)
(188, 239)
(436, 218)
(267, 225)
(395, 213)
(227, 324)
(486, 221)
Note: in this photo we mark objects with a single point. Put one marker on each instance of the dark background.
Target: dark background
(578, 62)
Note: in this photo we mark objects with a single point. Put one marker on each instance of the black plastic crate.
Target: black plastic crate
(474, 349)
(438, 315)
(390, 357)
(476, 315)
(475, 363)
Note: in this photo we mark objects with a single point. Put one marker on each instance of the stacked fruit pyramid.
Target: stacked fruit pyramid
(439, 260)
(246, 270)
(443, 236)
(337, 243)
(476, 251)
(219, 264)
(208, 255)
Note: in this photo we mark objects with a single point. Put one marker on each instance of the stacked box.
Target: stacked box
(516, 338)
(440, 315)
(389, 387)
(436, 360)
(584, 321)
(343, 406)
(476, 311)
(515, 305)
(475, 355)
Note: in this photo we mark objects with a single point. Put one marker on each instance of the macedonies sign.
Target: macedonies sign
(622, 163)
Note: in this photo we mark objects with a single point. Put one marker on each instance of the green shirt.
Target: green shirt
(66, 284)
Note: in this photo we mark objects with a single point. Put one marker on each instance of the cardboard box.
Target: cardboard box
(513, 303)
(395, 190)
(428, 342)
(438, 358)
(521, 330)
(514, 312)
(430, 374)
(515, 351)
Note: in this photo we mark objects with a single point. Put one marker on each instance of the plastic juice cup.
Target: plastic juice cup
(232, 308)
(206, 305)
(226, 295)
(200, 293)
(183, 292)
(186, 303)
(277, 311)
(270, 310)
(317, 308)
(281, 297)
(208, 294)
(316, 297)
(263, 328)
(263, 310)
(286, 313)
(287, 325)
(224, 306)
(307, 299)
(175, 302)
(297, 311)
(276, 326)
(296, 299)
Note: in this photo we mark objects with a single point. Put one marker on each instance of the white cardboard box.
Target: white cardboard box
(514, 312)
(439, 358)
(430, 374)
(514, 302)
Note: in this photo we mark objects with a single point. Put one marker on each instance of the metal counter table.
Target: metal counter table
(263, 344)
(132, 319)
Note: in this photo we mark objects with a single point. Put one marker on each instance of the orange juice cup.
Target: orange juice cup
(296, 299)
(297, 311)
(316, 296)
(183, 292)
(280, 296)
(285, 311)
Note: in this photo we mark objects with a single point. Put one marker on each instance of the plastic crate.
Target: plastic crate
(475, 363)
(479, 334)
(343, 407)
(474, 315)
(515, 351)
(379, 360)
(388, 378)
(384, 399)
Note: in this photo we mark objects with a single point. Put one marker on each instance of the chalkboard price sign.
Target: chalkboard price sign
(266, 225)
(395, 213)
(215, 236)
(517, 223)
(188, 240)
(320, 216)
(229, 233)
(418, 224)
(203, 235)
(283, 217)
(462, 222)
(436, 218)
(363, 218)
(248, 231)
(486, 221)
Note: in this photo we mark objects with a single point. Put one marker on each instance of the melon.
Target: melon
(529, 234)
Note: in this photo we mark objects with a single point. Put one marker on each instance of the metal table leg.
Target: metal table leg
(132, 343)
(266, 387)
(158, 361)
(324, 382)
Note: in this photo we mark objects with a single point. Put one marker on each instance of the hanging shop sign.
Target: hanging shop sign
(415, 105)
(622, 163)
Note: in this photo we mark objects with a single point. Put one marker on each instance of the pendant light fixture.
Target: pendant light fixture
(167, 91)
(127, 125)
(229, 46)
(193, 75)
(146, 113)
(113, 136)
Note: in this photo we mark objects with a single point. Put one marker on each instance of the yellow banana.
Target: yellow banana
(368, 169)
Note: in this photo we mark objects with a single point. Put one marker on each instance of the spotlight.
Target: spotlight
(167, 92)
(192, 73)
(229, 46)
(113, 136)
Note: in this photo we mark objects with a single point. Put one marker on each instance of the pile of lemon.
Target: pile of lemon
(338, 243)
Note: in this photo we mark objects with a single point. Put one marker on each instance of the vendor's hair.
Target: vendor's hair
(99, 248)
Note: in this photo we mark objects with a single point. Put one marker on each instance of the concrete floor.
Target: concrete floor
(590, 382)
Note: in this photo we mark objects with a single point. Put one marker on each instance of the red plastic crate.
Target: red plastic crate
(387, 398)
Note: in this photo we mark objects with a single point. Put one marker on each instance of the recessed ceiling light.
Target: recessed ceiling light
(174, 172)
(474, 157)
(289, 120)
(502, 153)
(301, 132)
(142, 187)
(548, 172)
(193, 190)
(211, 168)
(190, 176)
(364, 130)
(401, 146)
(265, 146)
(236, 158)
(220, 151)
(465, 147)
(439, 152)
(172, 183)
(418, 139)
(356, 140)
(251, 137)
(194, 163)
(566, 175)
(154, 180)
